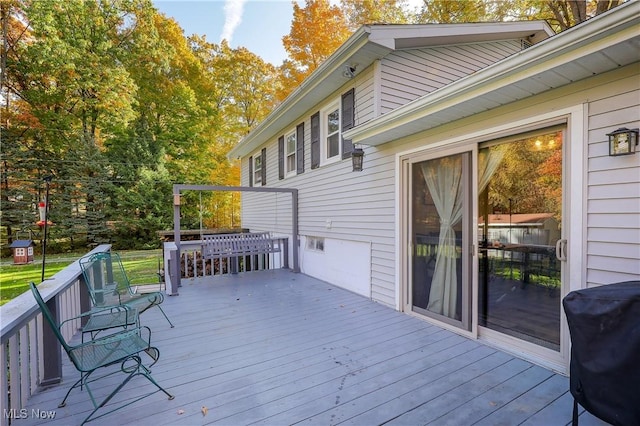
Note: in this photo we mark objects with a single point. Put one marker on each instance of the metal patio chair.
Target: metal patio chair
(109, 285)
(99, 320)
(121, 347)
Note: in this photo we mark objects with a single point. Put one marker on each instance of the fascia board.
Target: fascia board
(573, 44)
(414, 36)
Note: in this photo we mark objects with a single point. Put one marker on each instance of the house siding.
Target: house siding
(611, 216)
(336, 203)
(613, 190)
(409, 74)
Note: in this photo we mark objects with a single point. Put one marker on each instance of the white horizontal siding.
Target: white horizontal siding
(361, 206)
(336, 203)
(409, 74)
(365, 104)
(613, 190)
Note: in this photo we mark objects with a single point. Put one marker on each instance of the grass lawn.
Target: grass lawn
(141, 267)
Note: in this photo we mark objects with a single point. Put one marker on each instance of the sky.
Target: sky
(258, 25)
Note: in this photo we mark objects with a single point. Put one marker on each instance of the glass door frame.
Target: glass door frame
(468, 324)
(556, 360)
(573, 273)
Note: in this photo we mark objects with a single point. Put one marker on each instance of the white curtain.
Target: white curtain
(443, 179)
(488, 161)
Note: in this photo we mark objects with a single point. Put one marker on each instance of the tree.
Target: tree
(367, 12)
(240, 87)
(16, 192)
(567, 13)
(529, 178)
(452, 11)
(561, 14)
(70, 74)
(317, 30)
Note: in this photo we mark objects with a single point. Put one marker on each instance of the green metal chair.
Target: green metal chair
(122, 347)
(99, 320)
(109, 285)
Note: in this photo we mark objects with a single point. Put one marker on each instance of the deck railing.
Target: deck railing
(29, 351)
(192, 264)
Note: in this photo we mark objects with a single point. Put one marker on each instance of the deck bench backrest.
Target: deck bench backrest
(241, 244)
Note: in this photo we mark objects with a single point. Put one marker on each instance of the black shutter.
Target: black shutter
(281, 157)
(348, 120)
(300, 148)
(264, 166)
(315, 140)
(250, 171)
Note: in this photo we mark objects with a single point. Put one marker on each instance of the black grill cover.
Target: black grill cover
(604, 323)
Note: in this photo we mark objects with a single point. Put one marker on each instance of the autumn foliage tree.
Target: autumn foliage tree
(561, 14)
(367, 12)
(69, 70)
(113, 101)
(317, 30)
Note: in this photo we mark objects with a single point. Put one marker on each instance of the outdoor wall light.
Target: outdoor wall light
(357, 155)
(623, 141)
(349, 71)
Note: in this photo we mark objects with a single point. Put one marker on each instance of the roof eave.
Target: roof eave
(327, 78)
(577, 42)
(306, 91)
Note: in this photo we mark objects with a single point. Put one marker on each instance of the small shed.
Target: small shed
(22, 251)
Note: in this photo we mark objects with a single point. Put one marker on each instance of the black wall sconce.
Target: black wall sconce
(357, 155)
(623, 141)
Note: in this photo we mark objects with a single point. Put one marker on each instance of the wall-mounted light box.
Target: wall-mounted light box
(623, 141)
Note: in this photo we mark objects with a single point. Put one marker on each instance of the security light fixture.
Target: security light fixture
(357, 155)
(349, 71)
(623, 141)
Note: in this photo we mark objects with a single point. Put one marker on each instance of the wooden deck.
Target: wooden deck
(278, 348)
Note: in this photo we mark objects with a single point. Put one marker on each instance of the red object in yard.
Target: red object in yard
(22, 251)
(42, 208)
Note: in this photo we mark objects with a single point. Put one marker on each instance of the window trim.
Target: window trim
(335, 104)
(294, 171)
(315, 244)
(256, 172)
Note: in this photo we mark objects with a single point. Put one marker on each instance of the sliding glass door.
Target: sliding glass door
(520, 228)
(440, 233)
(517, 245)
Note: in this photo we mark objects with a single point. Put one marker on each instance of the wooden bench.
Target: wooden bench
(238, 245)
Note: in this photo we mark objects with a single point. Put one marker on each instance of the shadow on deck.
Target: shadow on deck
(279, 348)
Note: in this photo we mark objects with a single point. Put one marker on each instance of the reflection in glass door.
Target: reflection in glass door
(440, 235)
(520, 223)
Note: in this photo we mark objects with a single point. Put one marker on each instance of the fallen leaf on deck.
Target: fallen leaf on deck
(204, 410)
(180, 412)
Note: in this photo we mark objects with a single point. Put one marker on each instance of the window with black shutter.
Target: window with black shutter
(250, 171)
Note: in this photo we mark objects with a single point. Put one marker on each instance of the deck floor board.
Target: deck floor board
(278, 348)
